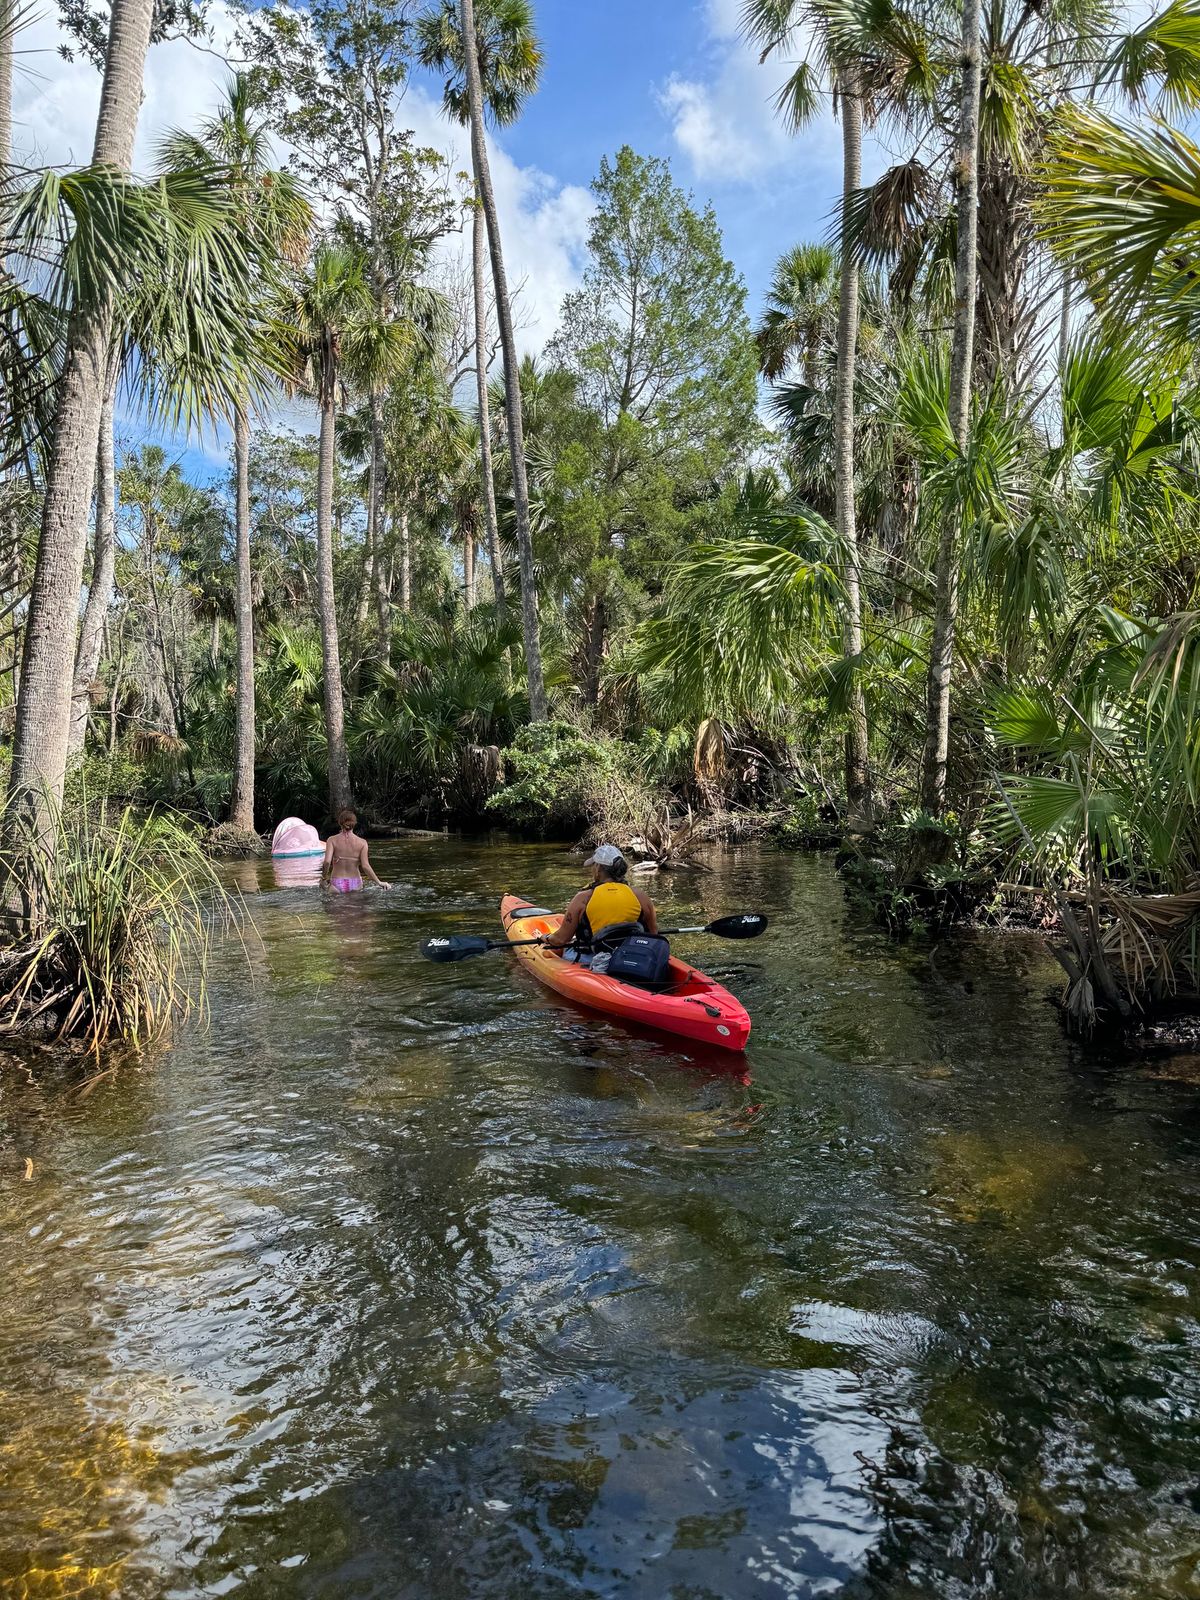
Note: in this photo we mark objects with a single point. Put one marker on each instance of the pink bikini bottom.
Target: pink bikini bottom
(346, 885)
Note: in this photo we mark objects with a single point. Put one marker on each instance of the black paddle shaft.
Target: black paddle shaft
(465, 946)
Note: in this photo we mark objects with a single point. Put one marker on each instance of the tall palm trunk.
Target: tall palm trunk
(241, 808)
(375, 493)
(7, 30)
(491, 522)
(593, 650)
(405, 562)
(381, 579)
(104, 549)
(469, 568)
(945, 616)
(858, 761)
(512, 385)
(335, 712)
(7, 52)
(39, 754)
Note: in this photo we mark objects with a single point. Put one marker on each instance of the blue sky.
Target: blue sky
(669, 77)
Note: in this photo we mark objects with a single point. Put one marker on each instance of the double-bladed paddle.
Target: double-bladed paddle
(465, 946)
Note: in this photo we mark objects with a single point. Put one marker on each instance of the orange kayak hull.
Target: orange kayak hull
(695, 1006)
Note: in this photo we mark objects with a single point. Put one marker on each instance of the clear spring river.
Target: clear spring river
(404, 1282)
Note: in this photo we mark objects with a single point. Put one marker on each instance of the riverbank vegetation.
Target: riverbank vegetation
(904, 556)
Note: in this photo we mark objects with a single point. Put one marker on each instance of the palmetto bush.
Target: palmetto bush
(120, 909)
(420, 732)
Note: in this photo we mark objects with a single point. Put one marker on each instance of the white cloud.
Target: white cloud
(724, 119)
(724, 18)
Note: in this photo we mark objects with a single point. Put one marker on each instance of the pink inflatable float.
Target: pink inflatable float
(295, 838)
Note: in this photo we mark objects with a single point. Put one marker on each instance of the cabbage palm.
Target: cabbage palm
(163, 267)
(330, 318)
(749, 614)
(39, 753)
(946, 573)
(271, 208)
(1122, 209)
(475, 47)
(858, 66)
(104, 549)
(801, 310)
(510, 67)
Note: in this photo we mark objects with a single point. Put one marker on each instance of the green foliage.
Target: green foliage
(750, 616)
(1122, 206)
(553, 770)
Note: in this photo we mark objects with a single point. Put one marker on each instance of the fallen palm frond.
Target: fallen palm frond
(115, 940)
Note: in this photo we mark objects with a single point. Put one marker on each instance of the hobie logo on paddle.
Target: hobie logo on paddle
(439, 944)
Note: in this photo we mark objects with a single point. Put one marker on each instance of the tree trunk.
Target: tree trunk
(858, 759)
(405, 562)
(39, 754)
(512, 385)
(1005, 314)
(469, 568)
(117, 664)
(104, 549)
(812, 355)
(593, 650)
(491, 522)
(383, 594)
(8, 28)
(945, 616)
(241, 804)
(366, 585)
(375, 500)
(335, 714)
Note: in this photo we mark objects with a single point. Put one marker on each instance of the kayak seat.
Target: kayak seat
(613, 937)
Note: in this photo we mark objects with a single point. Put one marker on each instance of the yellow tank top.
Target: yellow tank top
(610, 903)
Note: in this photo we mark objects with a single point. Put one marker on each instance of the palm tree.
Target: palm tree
(801, 309)
(510, 68)
(1121, 208)
(945, 616)
(503, 44)
(773, 24)
(331, 318)
(271, 208)
(39, 753)
(104, 548)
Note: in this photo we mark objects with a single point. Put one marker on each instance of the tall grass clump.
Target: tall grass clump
(119, 910)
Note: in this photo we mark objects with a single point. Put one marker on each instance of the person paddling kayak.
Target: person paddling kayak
(346, 860)
(606, 911)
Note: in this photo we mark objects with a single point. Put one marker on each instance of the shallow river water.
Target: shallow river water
(413, 1281)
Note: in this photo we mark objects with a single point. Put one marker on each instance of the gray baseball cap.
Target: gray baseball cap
(604, 855)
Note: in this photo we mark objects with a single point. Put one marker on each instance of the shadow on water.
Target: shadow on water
(405, 1280)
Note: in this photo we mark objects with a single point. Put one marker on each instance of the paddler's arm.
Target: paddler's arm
(327, 864)
(649, 918)
(565, 933)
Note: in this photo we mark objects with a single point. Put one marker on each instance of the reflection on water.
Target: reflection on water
(414, 1281)
(299, 872)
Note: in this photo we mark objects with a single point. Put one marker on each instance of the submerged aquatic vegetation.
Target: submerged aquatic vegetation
(114, 943)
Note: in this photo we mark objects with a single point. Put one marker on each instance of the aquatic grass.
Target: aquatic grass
(120, 911)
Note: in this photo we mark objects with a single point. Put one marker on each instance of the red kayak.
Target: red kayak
(693, 1005)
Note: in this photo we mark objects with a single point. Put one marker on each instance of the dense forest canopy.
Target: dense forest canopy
(906, 553)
